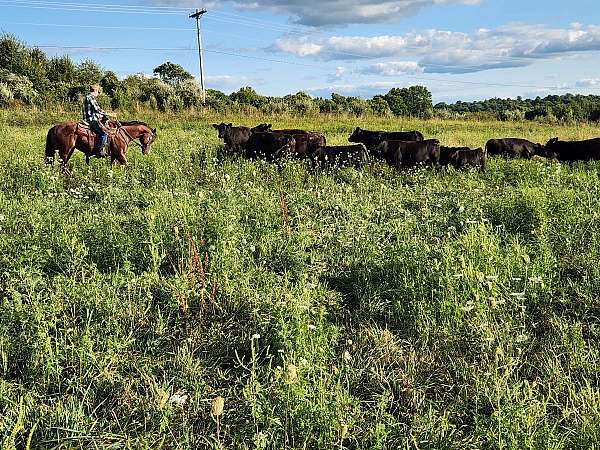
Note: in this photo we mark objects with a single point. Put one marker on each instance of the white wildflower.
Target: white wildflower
(179, 399)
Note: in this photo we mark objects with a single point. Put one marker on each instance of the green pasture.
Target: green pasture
(349, 309)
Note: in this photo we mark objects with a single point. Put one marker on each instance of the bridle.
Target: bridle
(131, 139)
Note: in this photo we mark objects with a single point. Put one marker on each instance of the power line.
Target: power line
(239, 55)
(79, 4)
(250, 22)
(112, 8)
(211, 31)
(168, 49)
(270, 26)
(87, 9)
(102, 27)
(107, 27)
(254, 19)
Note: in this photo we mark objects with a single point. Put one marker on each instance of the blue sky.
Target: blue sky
(459, 49)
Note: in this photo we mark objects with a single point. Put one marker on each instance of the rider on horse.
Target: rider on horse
(95, 116)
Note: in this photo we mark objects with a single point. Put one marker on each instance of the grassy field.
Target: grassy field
(345, 309)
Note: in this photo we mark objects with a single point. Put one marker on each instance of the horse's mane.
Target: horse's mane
(135, 122)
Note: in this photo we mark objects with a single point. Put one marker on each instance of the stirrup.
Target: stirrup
(100, 153)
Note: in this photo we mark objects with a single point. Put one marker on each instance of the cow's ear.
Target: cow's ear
(215, 126)
(357, 129)
(230, 125)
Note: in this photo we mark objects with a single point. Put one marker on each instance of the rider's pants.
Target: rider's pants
(102, 136)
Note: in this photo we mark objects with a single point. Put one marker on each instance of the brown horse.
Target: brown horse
(68, 136)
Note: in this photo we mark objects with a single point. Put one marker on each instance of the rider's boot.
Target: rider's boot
(101, 151)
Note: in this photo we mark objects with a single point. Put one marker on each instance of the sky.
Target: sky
(459, 49)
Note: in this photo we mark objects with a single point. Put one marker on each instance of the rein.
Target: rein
(121, 128)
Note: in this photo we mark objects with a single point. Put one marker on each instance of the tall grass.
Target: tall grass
(339, 309)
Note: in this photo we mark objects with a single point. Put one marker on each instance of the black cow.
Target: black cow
(235, 138)
(269, 145)
(341, 155)
(569, 151)
(514, 148)
(409, 153)
(307, 142)
(463, 157)
(263, 127)
(372, 139)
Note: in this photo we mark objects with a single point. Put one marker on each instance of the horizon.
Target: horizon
(461, 50)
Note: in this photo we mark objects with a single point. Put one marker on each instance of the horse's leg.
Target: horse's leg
(122, 159)
(67, 152)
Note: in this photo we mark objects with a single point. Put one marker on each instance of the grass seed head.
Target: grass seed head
(291, 374)
(218, 404)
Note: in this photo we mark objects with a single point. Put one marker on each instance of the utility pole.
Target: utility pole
(197, 15)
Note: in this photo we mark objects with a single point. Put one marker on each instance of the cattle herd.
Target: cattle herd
(401, 149)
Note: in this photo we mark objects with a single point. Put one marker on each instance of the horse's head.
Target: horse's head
(147, 137)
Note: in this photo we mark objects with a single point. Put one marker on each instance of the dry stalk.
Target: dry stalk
(284, 214)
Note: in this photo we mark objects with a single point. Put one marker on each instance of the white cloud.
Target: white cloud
(588, 83)
(229, 83)
(514, 45)
(393, 68)
(361, 90)
(335, 12)
(299, 47)
(339, 72)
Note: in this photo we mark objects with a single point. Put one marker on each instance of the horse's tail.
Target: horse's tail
(50, 150)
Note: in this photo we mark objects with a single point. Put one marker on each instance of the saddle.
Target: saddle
(110, 127)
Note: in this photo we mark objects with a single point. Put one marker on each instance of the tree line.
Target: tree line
(28, 76)
(553, 108)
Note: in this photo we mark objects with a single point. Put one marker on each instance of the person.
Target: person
(95, 116)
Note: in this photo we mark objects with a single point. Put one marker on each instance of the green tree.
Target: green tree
(217, 100)
(248, 96)
(414, 101)
(38, 68)
(300, 103)
(14, 56)
(62, 69)
(189, 92)
(379, 106)
(109, 83)
(88, 72)
(172, 73)
(396, 100)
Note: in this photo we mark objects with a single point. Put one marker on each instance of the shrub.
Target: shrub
(6, 95)
(189, 93)
(20, 86)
